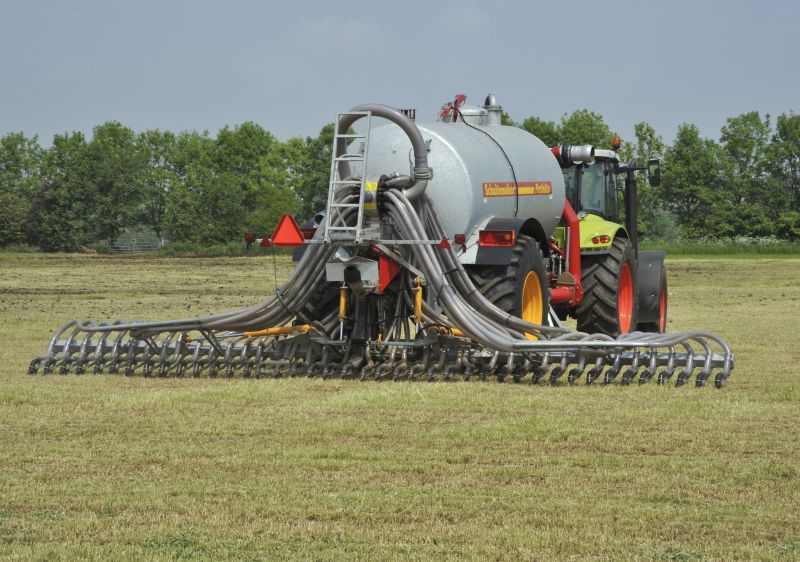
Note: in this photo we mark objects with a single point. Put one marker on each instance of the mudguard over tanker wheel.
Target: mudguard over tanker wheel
(520, 288)
(610, 298)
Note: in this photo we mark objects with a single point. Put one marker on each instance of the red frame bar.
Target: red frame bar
(571, 295)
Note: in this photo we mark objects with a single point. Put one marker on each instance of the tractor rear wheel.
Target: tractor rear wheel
(520, 288)
(610, 299)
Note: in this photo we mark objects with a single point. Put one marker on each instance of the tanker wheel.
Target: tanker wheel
(610, 299)
(520, 288)
(661, 325)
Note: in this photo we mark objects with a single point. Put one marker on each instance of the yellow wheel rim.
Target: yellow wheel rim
(532, 302)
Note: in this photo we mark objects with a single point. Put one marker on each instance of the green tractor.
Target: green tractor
(623, 289)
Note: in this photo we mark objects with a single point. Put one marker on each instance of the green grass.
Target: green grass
(758, 247)
(107, 467)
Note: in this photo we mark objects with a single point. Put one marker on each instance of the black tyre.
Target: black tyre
(610, 297)
(659, 325)
(323, 306)
(520, 288)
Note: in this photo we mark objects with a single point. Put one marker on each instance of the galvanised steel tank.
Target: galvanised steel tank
(477, 170)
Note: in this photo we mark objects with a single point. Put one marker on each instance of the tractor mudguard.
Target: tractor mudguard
(501, 255)
(651, 266)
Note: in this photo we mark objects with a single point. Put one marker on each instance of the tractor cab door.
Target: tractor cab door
(592, 189)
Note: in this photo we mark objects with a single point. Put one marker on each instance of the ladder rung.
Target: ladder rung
(343, 205)
(342, 228)
(346, 182)
(351, 136)
(349, 158)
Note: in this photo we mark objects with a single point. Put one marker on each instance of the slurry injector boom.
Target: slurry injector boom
(447, 250)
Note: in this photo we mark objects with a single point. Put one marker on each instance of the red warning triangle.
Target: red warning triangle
(287, 233)
(444, 244)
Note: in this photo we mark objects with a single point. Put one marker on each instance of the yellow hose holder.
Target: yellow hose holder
(280, 331)
(449, 331)
(418, 303)
(343, 303)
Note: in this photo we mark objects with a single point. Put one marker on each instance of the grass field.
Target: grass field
(107, 467)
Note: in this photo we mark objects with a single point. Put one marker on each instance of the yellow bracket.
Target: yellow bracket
(343, 303)
(449, 331)
(279, 331)
(418, 303)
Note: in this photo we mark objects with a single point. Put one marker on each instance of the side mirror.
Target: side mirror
(654, 172)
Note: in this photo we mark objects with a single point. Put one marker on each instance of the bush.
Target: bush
(758, 245)
(20, 249)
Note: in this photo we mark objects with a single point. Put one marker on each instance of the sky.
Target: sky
(291, 65)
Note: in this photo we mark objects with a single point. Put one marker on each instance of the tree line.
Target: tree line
(197, 188)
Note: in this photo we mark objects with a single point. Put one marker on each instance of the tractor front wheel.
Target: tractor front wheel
(610, 296)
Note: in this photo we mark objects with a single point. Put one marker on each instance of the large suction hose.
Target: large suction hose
(422, 173)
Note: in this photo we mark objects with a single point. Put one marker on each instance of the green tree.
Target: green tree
(745, 139)
(314, 173)
(220, 210)
(505, 119)
(653, 219)
(193, 162)
(585, 127)
(159, 177)
(782, 163)
(547, 131)
(692, 184)
(14, 212)
(274, 195)
(20, 163)
(63, 202)
(115, 168)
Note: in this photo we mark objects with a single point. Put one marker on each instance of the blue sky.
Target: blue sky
(290, 66)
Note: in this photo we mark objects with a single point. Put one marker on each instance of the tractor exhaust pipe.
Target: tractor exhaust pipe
(570, 154)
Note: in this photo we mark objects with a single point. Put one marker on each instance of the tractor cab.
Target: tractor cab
(592, 188)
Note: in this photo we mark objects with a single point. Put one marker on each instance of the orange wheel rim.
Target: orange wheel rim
(532, 302)
(625, 299)
(662, 310)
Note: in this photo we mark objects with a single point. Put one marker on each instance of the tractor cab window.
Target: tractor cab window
(598, 191)
(569, 183)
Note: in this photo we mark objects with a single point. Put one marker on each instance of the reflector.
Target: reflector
(287, 233)
(496, 238)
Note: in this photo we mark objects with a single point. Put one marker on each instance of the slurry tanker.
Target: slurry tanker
(449, 249)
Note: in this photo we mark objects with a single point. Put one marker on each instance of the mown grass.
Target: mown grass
(107, 467)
